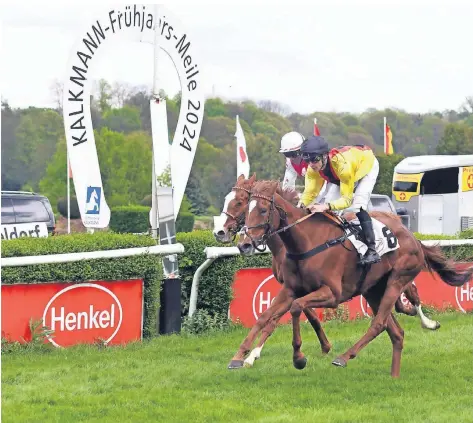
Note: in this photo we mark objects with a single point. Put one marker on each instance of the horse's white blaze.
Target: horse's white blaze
(219, 221)
(252, 206)
(426, 322)
(229, 197)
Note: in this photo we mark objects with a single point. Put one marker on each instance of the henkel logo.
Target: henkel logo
(464, 297)
(83, 313)
(263, 296)
(365, 307)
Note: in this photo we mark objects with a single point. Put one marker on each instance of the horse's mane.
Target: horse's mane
(269, 188)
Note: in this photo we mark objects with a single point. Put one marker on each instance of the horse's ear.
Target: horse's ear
(253, 178)
(241, 178)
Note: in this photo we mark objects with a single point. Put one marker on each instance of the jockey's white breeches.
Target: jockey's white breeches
(363, 189)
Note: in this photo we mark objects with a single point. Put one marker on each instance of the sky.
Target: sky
(317, 56)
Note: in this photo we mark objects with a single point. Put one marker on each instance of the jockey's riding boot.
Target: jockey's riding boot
(371, 256)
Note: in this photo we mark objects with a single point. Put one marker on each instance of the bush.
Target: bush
(215, 286)
(147, 267)
(129, 219)
(466, 234)
(202, 321)
(185, 222)
(62, 207)
(147, 201)
(424, 237)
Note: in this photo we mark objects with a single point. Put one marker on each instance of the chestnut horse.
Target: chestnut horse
(319, 270)
(233, 213)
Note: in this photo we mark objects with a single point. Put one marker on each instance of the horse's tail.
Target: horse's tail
(436, 261)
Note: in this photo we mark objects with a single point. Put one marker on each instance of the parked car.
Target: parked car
(380, 202)
(27, 207)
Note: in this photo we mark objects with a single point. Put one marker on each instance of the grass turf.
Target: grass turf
(185, 379)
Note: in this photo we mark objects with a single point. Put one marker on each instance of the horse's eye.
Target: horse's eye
(263, 211)
(238, 203)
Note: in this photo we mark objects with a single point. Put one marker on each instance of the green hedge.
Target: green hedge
(135, 219)
(147, 267)
(185, 222)
(215, 284)
(129, 219)
(215, 291)
(62, 207)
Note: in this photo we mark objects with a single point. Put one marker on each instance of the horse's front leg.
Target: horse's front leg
(322, 298)
(281, 304)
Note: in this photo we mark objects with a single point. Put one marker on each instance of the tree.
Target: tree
(275, 107)
(104, 96)
(457, 139)
(386, 171)
(215, 107)
(36, 136)
(125, 119)
(57, 88)
(196, 197)
(13, 176)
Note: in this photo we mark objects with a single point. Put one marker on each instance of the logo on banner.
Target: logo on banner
(262, 298)
(20, 230)
(464, 297)
(242, 155)
(83, 313)
(92, 205)
(132, 23)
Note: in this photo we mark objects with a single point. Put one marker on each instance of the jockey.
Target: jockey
(351, 173)
(290, 147)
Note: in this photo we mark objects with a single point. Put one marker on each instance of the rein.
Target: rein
(283, 215)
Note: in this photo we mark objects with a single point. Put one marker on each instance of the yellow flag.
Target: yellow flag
(388, 145)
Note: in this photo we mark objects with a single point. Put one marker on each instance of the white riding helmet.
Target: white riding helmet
(292, 141)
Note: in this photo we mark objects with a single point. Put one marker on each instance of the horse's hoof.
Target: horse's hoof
(340, 362)
(235, 364)
(326, 349)
(432, 325)
(300, 363)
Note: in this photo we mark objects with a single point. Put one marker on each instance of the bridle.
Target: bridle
(240, 220)
(269, 230)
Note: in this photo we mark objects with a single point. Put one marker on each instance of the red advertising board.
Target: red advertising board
(109, 311)
(255, 289)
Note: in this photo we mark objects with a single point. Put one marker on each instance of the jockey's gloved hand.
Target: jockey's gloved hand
(301, 205)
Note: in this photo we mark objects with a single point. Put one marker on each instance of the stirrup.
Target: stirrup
(375, 258)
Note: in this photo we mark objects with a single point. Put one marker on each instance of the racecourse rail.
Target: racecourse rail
(212, 254)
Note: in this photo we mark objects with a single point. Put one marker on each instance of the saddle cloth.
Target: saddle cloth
(385, 239)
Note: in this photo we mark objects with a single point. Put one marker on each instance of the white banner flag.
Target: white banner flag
(131, 23)
(243, 164)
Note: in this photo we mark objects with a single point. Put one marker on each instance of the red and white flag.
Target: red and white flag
(316, 128)
(243, 164)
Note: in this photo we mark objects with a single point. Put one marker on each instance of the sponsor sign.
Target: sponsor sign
(131, 23)
(255, 289)
(109, 312)
(467, 178)
(21, 230)
(407, 177)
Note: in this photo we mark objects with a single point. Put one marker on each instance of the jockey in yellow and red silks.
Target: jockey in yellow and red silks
(350, 173)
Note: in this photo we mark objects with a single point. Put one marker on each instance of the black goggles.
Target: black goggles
(291, 154)
(312, 158)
